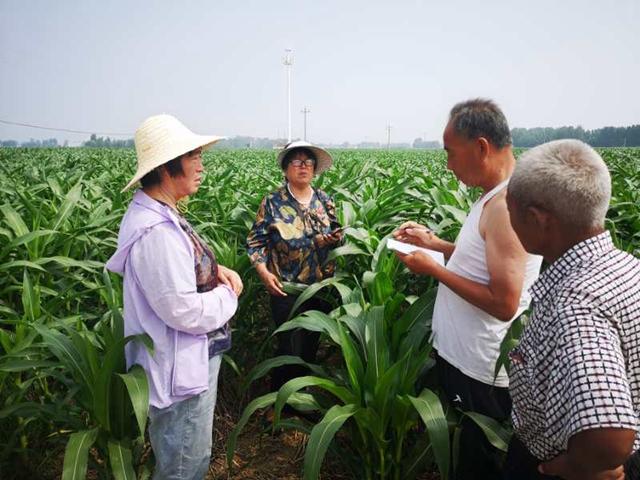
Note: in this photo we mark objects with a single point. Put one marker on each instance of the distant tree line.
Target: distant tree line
(601, 137)
(250, 142)
(368, 145)
(420, 143)
(107, 142)
(522, 137)
(32, 143)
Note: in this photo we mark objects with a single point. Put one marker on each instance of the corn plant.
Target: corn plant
(59, 215)
(623, 218)
(371, 398)
(106, 404)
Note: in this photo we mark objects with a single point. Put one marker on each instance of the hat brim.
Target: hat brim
(324, 160)
(178, 148)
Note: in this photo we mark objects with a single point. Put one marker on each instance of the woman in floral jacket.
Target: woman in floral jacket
(294, 231)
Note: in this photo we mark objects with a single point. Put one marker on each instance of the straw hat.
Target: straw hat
(162, 138)
(323, 158)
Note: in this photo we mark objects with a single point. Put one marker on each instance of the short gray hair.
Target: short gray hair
(481, 118)
(567, 178)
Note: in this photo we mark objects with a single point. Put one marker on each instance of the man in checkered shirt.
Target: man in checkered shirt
(575, 377)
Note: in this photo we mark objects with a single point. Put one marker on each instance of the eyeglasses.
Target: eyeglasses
(298, 163)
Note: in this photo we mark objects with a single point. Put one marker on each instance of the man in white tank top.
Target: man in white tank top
(484, 284)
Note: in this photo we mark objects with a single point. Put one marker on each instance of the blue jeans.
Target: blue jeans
(181, 434)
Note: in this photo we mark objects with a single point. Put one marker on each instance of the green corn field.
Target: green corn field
(68, 406)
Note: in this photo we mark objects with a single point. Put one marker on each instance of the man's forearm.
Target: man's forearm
(446, 248)
(502, 305)
(600, 449)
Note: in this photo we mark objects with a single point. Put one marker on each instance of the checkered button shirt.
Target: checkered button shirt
(577, 366)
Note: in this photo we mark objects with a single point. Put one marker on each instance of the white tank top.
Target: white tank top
(464, 335)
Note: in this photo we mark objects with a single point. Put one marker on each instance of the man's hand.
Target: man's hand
(230, 278)
(415, 234)
(419, 262)
(561, 466)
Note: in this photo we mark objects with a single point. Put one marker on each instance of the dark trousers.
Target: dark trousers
(521, 464)
(299, 342)
(478, 459)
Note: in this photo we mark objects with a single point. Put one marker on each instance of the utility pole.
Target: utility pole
(287, 61)
(388, 136)
(304, 111)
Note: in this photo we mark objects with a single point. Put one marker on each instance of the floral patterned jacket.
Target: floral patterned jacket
(288, 237)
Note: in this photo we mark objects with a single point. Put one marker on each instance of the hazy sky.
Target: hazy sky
(103, 66)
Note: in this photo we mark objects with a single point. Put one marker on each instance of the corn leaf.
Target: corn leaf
(292, 386)
(495, 432)
(310, 291)
(256, 404)
(430, 410)
(69, 203)
(420, 311)
(64, 349)
(24, 239)
(352, 360)
(345, 250)
(314, 321)
(22, 263)
(120, 459)
(322, 435)
(30, 298)
(138, 388)
(77, 453)
(14, 221)
(264, 367)
(377, 346)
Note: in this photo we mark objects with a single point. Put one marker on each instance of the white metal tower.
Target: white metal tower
(304, 112)
(388, 128)
(288, 62)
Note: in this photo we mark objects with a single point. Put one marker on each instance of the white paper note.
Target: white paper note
(407, 248)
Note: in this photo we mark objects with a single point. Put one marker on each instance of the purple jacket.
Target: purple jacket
(156, 258)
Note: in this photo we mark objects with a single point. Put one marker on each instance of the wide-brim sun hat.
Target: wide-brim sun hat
(162, 138)
(323, 158)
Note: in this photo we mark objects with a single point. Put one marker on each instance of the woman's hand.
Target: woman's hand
(334, 237)
(331, 238)
(270, 281)
(231, 279)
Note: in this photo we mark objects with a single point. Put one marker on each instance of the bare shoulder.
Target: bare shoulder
(506, 257)
(495, 216)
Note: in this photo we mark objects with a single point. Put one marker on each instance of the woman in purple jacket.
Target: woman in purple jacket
(175, 292)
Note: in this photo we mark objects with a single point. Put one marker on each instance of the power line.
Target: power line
(7, 122)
